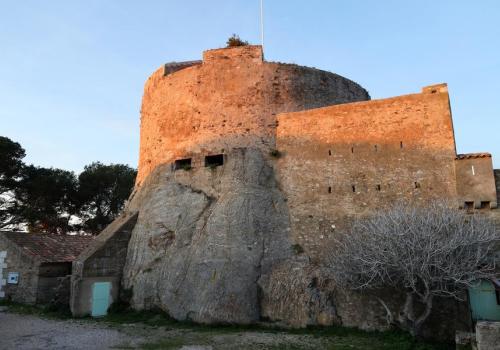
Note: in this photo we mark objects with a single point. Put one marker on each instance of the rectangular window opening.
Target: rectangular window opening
(329, 190)
(376, 148)
(485, 205)
(352, 149)
(184, 164)
(329, 152)
(401, 144)
(469, 206)
(214, 160)
(378, 187)
(417, 185)
(353, 188)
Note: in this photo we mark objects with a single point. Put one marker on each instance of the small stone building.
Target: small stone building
(98, 270)
(36, 268)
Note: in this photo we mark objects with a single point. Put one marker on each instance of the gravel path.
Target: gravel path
(25, 332)
(29, 332)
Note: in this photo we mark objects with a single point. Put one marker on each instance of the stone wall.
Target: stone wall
(475, 181)
(301, 294)
(15, 261)
(497, 183)
(348, 160)
(52, 282)
(488, 335)
(230, 100)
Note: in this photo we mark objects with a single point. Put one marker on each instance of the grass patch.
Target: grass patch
(330, 338)
(47, 311)
(165, 344)
(149, 318)
(297, 248)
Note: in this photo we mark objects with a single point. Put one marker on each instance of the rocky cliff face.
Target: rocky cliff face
(199, 251)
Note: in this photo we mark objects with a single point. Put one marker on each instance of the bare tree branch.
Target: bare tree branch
(426, 252)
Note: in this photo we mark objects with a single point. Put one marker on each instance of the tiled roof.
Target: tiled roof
(473, 155)
(47, 247)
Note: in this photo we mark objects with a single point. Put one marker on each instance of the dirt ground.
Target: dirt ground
(32, 332)
(22, 330)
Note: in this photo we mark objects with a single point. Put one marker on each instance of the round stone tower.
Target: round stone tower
(228, 100)
(212, 228)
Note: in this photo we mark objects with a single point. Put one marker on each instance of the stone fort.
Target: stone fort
(248, 168)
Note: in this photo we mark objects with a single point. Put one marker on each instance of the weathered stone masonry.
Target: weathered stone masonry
(348, 160)
(296, 154)
(230, 99)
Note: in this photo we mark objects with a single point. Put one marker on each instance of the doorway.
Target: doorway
(100, 298)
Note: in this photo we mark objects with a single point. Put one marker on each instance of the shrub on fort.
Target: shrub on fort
(235, 41)
(424, 252)
(275, 153)
(297, 249)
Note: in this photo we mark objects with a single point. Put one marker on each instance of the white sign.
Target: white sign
(13, 278)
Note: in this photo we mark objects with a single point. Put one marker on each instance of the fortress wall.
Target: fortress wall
(229, 100)
(348, 160)
(476, 181)
(497, 182)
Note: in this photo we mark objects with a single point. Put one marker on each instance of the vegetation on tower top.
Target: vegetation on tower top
(235, 41)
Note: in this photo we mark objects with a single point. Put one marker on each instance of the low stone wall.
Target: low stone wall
(497, 182)
(53, 282)
(488, 335)
(301, 294)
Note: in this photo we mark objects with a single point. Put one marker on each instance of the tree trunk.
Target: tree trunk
(407, 318)
(417, 327)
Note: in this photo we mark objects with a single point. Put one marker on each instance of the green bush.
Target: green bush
(297, 248)
(275, 153)
(235, 41)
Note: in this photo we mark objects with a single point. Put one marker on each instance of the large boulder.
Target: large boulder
(299, 294)
(200, 246)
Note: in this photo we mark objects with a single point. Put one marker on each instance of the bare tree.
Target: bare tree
(424, 252)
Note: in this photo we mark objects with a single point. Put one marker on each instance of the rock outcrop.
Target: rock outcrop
(299, 294)
(198, 252)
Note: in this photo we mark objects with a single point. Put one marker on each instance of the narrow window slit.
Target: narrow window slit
(214, 160)
(353, 188)
(329, 152)
(417, 185)
(469, 206)
(329, 189)
(184, 164)
(378, 187)
(401, 144)
(485, 205)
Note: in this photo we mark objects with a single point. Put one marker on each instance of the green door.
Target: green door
(484, 302)
(100, 298)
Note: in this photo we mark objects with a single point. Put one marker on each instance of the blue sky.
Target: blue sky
(72, 72)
